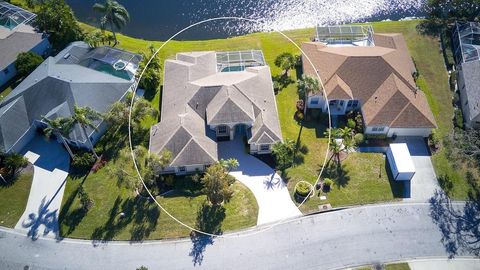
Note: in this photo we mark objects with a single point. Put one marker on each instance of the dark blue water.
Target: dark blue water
(160, 19)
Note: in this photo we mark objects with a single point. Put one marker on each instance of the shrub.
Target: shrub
(85, 200)
(359, 138)
(351, 123)
(27, 62)
(299, 116)
(434, 140)
(83, 161)
(302, 189)
(458, 118)
(300, 105)
(327, 184)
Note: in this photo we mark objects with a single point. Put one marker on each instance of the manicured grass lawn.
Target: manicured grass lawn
(397, 266)
(13, 198)
(5, 92)
(143, 219)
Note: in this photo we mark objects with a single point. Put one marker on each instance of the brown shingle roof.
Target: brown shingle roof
(379, 76)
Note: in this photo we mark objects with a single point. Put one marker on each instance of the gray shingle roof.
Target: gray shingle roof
(16, 43)
(54, 89)
(195, 94)
(471, 77)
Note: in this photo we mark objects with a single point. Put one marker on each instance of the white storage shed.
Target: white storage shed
(400, 162)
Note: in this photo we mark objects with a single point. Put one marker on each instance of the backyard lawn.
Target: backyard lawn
(13, 198)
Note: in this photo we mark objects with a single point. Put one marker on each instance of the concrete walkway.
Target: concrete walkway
(271, 193)
(424, 183)
(51, 163)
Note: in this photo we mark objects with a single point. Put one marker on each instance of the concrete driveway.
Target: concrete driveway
(271, 193)
(50, 170)
(424, 183)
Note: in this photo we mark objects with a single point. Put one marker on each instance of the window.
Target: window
(349, 103)
(314, 101)
(332, 102)
(378, 129)
(355, 103)
(222, 129)
(264, 147)
(342, 102)
(6, 71)
(182, 169)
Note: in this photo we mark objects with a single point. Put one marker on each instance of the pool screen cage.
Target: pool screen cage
(113, 56)
(12, 16)
(239, 60)
(345, 34)
(466, 42)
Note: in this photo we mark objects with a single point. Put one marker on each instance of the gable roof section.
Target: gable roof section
(16, 43)
(229, 106)
(380, 77)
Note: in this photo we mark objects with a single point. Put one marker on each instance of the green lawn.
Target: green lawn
(13, 198)
(397, 266)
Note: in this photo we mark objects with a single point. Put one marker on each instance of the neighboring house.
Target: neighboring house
(213, 96)
(466, 46)
(17, 36)
(369, 72)
(78, 76)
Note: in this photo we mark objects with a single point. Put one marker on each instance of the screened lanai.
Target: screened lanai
(11, 16)
(342, 35)
(466, 42)
(239, 60)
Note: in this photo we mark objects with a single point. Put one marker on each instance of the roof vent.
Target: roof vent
(66, 56)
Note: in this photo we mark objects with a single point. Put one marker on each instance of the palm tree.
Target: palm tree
(84, 116)
(307, 85)
(114, 14)
(229, 164)
(60, 127)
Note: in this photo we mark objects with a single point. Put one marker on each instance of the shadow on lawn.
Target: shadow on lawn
(209, 220)
(143, 214)
(337, 173)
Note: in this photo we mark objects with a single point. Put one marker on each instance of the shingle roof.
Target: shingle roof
(53, 90)
(195, 94)
(16, 43)
(379, 76)
(471, 77)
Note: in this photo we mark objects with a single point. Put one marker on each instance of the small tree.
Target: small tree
(284, 153)
(307, 85)
(56, 18)
(217, 182)
(285, 61)
(27, 62)
(60, 127)
(15, 161)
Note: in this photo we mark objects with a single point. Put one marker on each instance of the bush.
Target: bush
(299, 116)
(434, 140)
(458, 118)
(351, 123)
(85, 200)
(302, 189)
(359, 138)
(300, 105)
(83, 161)
(27, 62)
(327, 184)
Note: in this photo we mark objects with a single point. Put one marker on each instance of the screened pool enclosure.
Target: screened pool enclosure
(239, 60)
(354, 35)
(12, 16)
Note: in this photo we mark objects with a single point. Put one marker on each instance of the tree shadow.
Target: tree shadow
(317, 121)
(209, 220)
(283, 81)
(337, 173)
(43, 217)
(460, 228)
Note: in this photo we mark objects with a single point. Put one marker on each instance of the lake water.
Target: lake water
(159, 19)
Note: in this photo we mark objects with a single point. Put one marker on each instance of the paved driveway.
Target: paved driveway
(50, 167)
(271, 193)
(423, 184)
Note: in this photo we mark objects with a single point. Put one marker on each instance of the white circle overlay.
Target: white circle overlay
(251, 232)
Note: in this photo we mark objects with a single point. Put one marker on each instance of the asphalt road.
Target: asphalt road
(356, 236)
